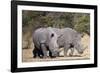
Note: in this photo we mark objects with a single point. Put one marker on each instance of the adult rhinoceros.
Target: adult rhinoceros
(45, 39)
(67, 38)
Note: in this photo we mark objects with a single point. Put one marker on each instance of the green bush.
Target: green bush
(32, 20)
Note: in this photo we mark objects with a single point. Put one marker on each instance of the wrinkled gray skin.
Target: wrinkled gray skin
(45, 39)
(66, 38)
(69, 39)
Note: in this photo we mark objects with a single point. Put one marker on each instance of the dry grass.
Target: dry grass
(27, 55)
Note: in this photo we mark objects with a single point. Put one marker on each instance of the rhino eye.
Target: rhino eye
(52, 35)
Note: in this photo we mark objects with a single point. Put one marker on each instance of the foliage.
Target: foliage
(32, 20)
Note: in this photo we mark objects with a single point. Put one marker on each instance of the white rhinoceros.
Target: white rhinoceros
(45, 39)
(53, 38)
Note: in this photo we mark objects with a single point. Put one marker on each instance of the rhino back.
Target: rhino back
(39, 36)
(68, 35)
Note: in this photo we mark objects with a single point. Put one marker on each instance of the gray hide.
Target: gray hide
(69, 39)
(45, 37)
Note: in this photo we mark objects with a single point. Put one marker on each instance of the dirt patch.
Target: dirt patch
(27, 55)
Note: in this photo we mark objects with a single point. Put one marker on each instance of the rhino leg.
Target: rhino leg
(66, 48)
(72, 51)
(35, 53)
(65, 52)
(40, 53)
(50, 54)
(44, 50)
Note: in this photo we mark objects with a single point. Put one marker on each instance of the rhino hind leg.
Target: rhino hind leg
(72, 49)
(37, 53)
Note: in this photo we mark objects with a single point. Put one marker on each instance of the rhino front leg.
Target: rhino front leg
(72, 51)
(65, 52)
(66, 48)
(44, 50)
(52, 54)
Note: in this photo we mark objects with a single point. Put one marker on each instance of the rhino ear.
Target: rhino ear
(52, 35)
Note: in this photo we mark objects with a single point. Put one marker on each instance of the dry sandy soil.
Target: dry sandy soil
(27, 55)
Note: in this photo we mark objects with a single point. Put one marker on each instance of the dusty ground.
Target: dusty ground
(27, 55)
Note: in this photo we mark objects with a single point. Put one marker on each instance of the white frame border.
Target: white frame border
(21, 64)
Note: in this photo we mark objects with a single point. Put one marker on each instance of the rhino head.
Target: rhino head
(53, 46)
